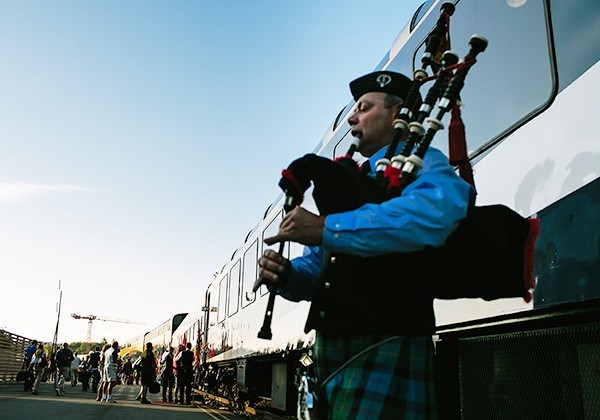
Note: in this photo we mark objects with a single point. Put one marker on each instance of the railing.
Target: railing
(12, 347)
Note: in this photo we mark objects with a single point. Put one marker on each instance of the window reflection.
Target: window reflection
(513, 77)
(567, 260)
(576, 37)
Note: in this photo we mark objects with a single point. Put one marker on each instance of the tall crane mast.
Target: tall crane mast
(92, 318)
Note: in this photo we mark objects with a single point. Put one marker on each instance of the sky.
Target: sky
(141, 141)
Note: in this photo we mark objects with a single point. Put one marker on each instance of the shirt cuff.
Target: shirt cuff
(336, 236)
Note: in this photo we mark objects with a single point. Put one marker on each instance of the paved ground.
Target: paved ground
(76, 404)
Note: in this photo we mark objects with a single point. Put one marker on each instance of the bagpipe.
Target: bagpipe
(490, 253)
(265, 331)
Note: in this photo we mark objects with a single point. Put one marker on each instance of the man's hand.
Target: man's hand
(301, 226)
(273, 268)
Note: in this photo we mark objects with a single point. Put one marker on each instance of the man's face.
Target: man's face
(372, 123)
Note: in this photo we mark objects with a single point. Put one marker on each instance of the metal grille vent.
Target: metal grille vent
(542, 374)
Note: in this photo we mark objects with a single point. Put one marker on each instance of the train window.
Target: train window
(222, 309)
(513, 79)
(234, 289)
(342, 147)
(423, 8)
(576, 37)
(177, 320)
(342, 139)
(338, 118)
(343, 113)
(250, 274)
(568, 249)
(210, 314)
(272, 230)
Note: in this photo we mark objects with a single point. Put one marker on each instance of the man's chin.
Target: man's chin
(365, 150)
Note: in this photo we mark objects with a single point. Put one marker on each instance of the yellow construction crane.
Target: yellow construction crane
(92, 318)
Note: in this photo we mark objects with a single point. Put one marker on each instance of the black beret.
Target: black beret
(381, 81)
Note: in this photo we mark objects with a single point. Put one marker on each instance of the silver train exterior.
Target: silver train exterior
(529, 107)
(162, 335)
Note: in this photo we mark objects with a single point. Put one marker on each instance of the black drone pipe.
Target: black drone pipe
(265, 331)
(437, 42)
(413, 163)
(392, 169)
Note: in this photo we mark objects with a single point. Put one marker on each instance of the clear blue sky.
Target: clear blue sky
(142, 140)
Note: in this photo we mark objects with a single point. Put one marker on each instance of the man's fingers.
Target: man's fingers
(264, 276)
(273, 239)
(268, 269)
(272, 267)
(272, 255)
(257, 284)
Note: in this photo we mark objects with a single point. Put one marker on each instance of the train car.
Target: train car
(528, 111)
(234, 314)
(191, 330)
(161, 336)
(132, 347)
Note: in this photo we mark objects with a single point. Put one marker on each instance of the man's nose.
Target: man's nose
(352, 120)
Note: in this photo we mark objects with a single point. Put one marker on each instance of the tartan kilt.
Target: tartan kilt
(391, 381)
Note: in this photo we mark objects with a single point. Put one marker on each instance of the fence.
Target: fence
(12, 347)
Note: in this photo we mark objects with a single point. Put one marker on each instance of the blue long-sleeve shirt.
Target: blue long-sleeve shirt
(29, 351)
(426, 213)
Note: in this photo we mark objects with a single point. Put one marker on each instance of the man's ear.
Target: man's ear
(397, 108)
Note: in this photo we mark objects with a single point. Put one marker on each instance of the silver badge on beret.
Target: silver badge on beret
(383, 79)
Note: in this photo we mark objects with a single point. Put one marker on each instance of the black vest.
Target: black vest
(367, 295)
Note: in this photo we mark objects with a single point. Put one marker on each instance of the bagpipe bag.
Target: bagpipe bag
(488, 256)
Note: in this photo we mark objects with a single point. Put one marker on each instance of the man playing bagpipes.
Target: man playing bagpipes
(373, 349)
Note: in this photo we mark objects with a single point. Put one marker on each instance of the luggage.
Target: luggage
(22, 376)
(154, 388)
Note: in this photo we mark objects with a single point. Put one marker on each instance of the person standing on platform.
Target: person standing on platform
(74, 367)
(166, 376)
(64, 357)
(102, 373)
(85, 371)
(127, 373)
(111, 360)
(95, 368)
(378, 361)
(28, 354)
(148, 373)
(39, 362)
(185, 374)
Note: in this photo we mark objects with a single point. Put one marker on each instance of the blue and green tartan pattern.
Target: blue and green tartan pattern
(391, 381)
